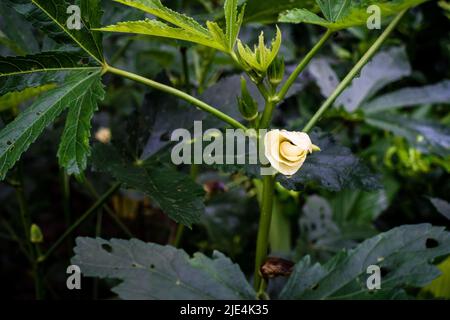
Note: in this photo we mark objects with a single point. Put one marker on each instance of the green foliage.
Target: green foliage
(404, 253)
(334, 168)
(13, 99)
(149, 271)
(51, 17)
(343, 14)
(425, 135)
(18, 135)
(176, 194)
(18, 73)
(186, 28)
(74, 148)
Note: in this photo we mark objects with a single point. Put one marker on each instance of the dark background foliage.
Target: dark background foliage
(141, 121)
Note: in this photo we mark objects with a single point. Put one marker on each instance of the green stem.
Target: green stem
(267, 114)
(354, 72)
(100, 202)
(262, 242)
(180, 94)
(301, 66)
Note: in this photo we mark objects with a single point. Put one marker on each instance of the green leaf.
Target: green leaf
(160, 29)
(404, 254)
(427, 136)
(176, 194)
(266, 12)
(233, 21)
(156, 8)
(18, 135)
(18, 73)
(150, 271)
(74, 148)
(17, 30)
(51, 17)
(334, 168)
(408, 97)
(343, 14)
(358, 207)
(303, 16)
(334, 10)
(13, 99)
(442, 206)
(440, 287)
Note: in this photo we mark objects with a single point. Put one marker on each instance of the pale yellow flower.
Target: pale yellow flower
(287, 150)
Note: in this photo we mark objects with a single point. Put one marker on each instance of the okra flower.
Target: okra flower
(287, 150)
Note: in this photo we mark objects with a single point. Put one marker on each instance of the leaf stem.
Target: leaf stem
(355, 70)
(262, 242)
(100, 202)
(301, 66)
(180, 94)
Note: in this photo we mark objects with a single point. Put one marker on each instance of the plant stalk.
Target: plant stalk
(178, 93)
(262, 242)
(355, 70)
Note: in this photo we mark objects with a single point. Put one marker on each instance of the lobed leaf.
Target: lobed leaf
(13, 99)
(74, 148)
(404, 254)
(160, 29)
(20, 72)
(18, 135)
(176, 194)
(150, 271)
(51, 17)
(343, 14)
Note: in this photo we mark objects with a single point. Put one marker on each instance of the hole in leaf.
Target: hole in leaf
(315, 287)
(134, 265)
(152, 266)
(8, 143)
(107, 247)
(431, 243)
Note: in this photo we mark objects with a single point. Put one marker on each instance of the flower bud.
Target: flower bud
(276, 72)
(36, 235)
(247, 105)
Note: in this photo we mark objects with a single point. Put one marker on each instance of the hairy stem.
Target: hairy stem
(352, 74)
(301, 66)
(180, 94)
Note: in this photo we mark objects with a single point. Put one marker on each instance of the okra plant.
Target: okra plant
(71, 73)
